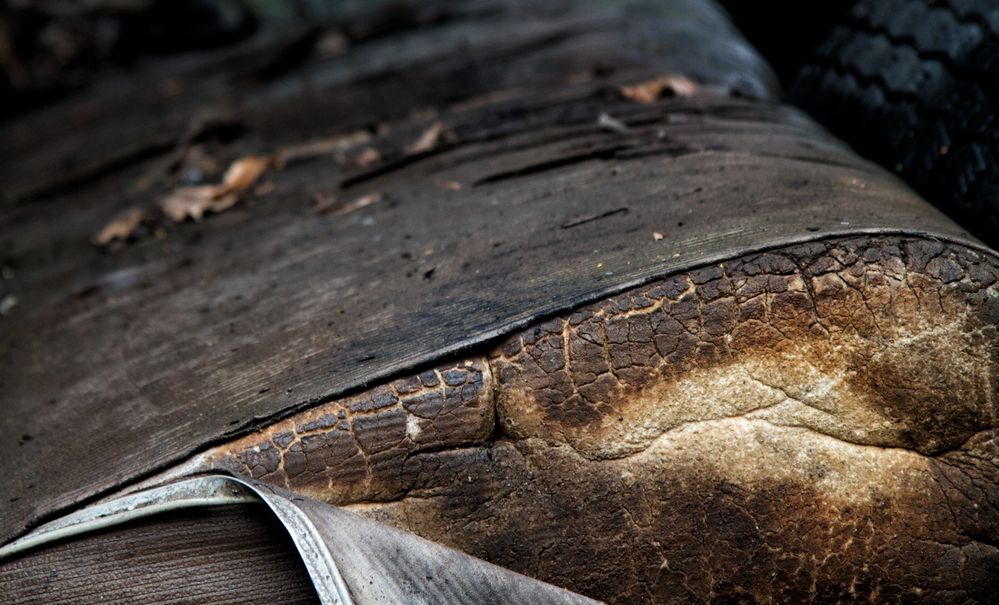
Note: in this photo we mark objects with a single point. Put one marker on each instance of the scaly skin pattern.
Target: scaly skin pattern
(355, 449)
(812, 424)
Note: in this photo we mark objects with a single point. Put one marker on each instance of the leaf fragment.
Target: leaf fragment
(122, 226)
(188, 202)
(652, 90)
(428, 140)
(196, 201)
(242, 174)
(361, 202)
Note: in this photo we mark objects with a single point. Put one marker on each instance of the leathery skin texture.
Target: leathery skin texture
(812, 424)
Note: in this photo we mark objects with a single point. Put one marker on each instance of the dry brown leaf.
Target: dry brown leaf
(193, 201)
(196, 201)
(121, 227)
(223, 203)
(361, 202)
(188, 202)
(428, 140)
(652, 90)
(242, 174)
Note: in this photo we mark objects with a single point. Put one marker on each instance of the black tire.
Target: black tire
(914, 85)
(765, 25)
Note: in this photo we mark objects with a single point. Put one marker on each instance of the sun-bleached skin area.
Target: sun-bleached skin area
(813, 424)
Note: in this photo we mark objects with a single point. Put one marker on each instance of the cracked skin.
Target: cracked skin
(812, 424)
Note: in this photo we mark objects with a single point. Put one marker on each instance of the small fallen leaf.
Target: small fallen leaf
(192, 202)
(122, 226)
(197, 200)
(361, 202)
(242, 174)
(652, 90)
(657, 236)
(428, 140)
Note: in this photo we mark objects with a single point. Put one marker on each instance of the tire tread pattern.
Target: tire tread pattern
(914, 84)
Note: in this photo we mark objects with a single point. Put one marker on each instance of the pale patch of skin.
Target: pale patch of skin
(832, 358)
(813, 385)
(753, 453)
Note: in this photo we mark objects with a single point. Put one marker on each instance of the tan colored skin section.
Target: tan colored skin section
(814, 424)
(857, 348)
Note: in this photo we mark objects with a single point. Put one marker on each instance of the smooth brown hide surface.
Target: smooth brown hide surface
(813, 424)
